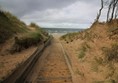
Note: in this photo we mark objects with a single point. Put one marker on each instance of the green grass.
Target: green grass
(12, 27)
(29, 39)
(9, 26)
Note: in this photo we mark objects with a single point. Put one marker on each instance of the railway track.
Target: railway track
(44, 66)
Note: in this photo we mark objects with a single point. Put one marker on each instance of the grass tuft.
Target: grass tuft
(83, 50)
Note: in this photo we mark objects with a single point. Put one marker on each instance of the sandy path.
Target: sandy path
(51, 67)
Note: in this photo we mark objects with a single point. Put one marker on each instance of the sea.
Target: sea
(62, 30)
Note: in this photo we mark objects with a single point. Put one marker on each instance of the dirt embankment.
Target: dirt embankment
(94, 53)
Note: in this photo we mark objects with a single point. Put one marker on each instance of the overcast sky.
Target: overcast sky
(54, 13)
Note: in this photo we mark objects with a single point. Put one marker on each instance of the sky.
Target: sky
(54, 13)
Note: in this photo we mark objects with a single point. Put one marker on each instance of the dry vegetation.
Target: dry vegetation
(94, 52)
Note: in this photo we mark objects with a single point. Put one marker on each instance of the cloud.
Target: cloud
(21, 7)
(73, 15)
(55, 13)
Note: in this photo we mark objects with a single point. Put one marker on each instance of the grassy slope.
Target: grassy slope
(9, 26)
(22, 36)
(16, 36)
(96, 50)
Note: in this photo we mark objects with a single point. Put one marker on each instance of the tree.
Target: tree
(112, 12)
(116, 13)
(113, 9)
(109, 9)
(100, 11)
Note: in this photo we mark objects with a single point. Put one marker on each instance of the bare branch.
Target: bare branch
(113, 9)
(100, 11)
